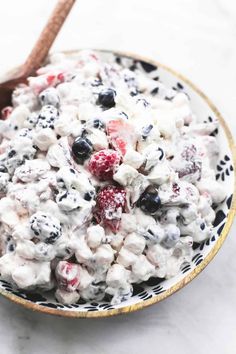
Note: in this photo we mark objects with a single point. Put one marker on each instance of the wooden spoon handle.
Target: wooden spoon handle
(47, 37)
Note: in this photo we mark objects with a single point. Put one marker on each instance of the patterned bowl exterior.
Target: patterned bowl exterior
(155, 290)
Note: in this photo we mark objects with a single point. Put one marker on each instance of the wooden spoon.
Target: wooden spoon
(38, 53)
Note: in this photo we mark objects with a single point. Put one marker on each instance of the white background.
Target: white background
(198, 39)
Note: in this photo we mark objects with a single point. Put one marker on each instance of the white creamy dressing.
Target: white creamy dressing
(45, 217)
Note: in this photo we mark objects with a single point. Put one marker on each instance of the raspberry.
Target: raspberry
(121, 135)
(67, 275)
(103, 164)
(111, 201)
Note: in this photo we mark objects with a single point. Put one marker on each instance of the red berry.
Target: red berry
(6, 111)
(121, 135)
(51, 79)
(120, 145)
(67, 275)
(61, 77)
(103, 164)
(111, 201)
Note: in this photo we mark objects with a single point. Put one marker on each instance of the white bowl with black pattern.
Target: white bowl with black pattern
(155, 290)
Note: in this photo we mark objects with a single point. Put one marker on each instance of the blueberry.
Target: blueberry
(11, 153)
(202, 226)
(149, 202)
(82, 149)
(106, 98)
(3, 169)
(97, 123)
(146, 130)
(89, 195)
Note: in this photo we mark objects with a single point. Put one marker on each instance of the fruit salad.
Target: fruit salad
(107, 178)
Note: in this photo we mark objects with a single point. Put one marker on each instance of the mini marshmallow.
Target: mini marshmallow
(213, 188)
(128, 223)
(126, 258)
(44, 138)
(67, 298)
(117, 241)
(117, 276)
(133, 158)
(32, 170)
(135, 243)
(64, 125)
(158, 255)
(18, 116)
(85, 279)
(104, 254)
(22, 231)
(95, 235)
(142, 269)
(159, 174)
(83, 253)
(25, 249)
(8, 213)
(99, 139)
(125, 175)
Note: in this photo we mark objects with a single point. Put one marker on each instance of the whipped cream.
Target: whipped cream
(51, 237)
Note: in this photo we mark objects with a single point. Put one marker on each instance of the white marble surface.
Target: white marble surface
(197, 38)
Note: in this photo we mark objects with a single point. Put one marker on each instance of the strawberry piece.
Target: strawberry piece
(67, 275)
(61, 77)
(121, 135)
(104, 163)
(45, 80)
(111, 201)
(120, 145)
(51, 79)
(5, 112)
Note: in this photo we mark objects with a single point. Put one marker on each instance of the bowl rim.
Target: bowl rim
(190, 276)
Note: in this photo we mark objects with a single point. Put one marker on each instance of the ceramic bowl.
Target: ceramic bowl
(155, 290)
